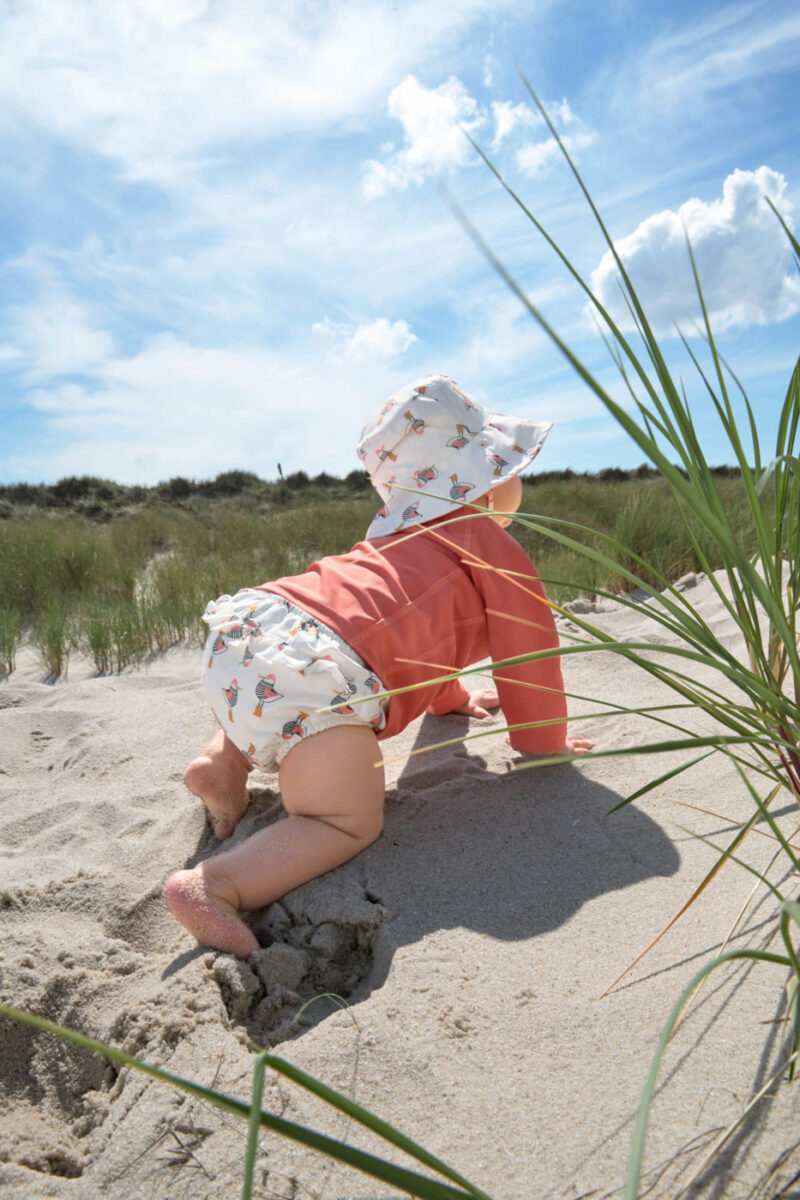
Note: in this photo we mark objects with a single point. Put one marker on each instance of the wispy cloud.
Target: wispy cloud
(177, 409)
(55, 338)
(156, 87)
(722, 50)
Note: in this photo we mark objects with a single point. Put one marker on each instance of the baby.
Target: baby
(297, 670)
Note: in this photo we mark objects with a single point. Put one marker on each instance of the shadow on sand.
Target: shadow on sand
(511, 854)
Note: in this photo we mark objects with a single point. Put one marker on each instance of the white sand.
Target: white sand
(473, 941)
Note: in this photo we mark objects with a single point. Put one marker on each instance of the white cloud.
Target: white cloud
(736, 43)
(177, 409)
(503, 338)
(508, 116)
(432, 120)
(54, 338)
(157, 86)
(560, 112)
(743, 259)
(375, 339)
(490, 65)
(535, 158)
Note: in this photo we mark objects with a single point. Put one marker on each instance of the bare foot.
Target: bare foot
(213, 919)
(218, 777)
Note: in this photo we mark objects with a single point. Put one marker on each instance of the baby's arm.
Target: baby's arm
(519, 621)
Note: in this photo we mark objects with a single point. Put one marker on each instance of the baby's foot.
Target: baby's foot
(212, 919)
(218, 777)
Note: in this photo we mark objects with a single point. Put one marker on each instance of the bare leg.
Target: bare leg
(333, 794)
(218, 777)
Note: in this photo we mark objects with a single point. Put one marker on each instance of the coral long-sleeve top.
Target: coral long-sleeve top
(419, 605)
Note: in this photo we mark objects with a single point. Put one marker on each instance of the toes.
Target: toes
(204, 915)
(222, 822)
(223, 827)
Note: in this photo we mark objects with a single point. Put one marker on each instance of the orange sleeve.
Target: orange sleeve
(519, 621)
(448, 698)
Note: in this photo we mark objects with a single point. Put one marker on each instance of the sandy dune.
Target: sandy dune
(473, 942)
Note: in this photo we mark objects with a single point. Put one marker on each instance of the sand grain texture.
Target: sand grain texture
(473, 941)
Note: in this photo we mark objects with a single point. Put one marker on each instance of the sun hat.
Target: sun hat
(438, 442)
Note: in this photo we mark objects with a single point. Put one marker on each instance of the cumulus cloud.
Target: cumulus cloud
(536, 158)
(375, 339)
(743, 259)
(432, 120)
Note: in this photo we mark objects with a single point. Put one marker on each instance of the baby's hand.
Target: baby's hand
(578, 745)
(479, 703)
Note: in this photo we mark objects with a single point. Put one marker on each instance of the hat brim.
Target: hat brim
(504, 447)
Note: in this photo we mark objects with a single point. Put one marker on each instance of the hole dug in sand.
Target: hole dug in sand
(319, 939)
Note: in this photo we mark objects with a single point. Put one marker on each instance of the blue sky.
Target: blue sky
(224, 241)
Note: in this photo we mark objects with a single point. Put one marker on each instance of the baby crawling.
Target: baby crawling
(297, 670)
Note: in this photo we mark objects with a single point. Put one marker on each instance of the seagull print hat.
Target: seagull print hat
(432, 447)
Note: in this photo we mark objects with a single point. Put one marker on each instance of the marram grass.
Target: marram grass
(10, 632)
(120, 591)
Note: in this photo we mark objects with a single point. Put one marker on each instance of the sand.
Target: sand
(473, 942)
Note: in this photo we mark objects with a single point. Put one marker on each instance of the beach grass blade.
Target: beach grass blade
(254, 1125)
(405, 1180)
(636, 1158)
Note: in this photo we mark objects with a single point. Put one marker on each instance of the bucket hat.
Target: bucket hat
(432, 448)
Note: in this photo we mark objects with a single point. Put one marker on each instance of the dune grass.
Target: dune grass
(133, 586)
(10, 633)
(136, 584)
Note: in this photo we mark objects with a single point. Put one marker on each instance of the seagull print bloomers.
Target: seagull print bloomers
(270, 667)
